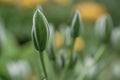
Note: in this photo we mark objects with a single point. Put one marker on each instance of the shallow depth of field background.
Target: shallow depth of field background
(20, 61)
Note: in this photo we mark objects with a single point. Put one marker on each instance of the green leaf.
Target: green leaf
(40, 30)
(77, 25)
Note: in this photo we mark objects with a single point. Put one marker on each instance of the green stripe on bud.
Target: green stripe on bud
(103, 27)
(77, 25)
(40, 30)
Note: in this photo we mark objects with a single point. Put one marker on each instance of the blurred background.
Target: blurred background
(20, 61)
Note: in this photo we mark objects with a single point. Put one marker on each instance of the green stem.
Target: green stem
(65, 72)
(96, 58)
(43, 65)
(71, 54)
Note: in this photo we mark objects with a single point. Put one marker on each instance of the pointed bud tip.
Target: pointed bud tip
(77, 25)
(77, 13)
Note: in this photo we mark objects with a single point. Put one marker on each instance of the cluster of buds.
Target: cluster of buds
(41, 33)
(59, 43)
(45, 37)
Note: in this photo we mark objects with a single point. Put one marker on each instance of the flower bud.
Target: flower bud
(73, 60)
(77, 25)
(60, 59)
(115, 38)
(103, 27)
(40, 30)
(50, 47)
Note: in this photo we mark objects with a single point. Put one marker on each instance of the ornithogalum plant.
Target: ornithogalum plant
(63, 65)
(76, 30)
(40, 31)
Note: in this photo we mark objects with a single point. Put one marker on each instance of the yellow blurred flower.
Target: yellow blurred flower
(64, 2)
(29, 3)
(79, 44)
(7, 1)
(58, 40)
(90, 11)
(32, 77)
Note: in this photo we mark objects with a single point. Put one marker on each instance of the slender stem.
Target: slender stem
(96, 58)
(64, 75)
(71, 54)
(43, 65)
